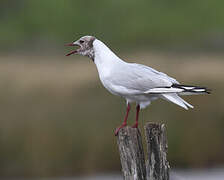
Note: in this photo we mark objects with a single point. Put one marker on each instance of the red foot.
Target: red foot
(135, 125)
(118, 129)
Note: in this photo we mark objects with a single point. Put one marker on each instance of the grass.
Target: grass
(192, 23)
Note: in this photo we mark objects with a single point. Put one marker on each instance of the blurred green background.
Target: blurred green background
(56, 119)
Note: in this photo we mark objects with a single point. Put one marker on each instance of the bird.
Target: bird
(136, 83)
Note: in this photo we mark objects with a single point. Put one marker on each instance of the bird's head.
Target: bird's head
(85, 46)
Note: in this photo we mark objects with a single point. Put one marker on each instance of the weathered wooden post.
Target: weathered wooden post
(132, 154)
(157, 147)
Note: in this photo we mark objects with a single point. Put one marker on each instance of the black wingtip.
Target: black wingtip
(194, 89)
(208, 91)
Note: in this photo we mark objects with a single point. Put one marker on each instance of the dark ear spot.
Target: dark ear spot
(91, 41)
(81, 41)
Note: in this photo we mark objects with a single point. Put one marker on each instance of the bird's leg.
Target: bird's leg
(137, 114)
(125, 120)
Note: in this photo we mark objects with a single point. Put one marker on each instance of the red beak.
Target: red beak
(70, 44)
(72, 52)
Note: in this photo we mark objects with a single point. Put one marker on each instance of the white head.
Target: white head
(85, 45)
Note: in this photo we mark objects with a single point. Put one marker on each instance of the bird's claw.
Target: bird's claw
(118, 129)
(135, 125)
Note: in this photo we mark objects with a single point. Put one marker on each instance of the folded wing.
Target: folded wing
(138, 79)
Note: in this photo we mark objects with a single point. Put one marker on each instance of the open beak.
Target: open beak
(74, 51)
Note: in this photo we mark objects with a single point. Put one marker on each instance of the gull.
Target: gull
(136, 83)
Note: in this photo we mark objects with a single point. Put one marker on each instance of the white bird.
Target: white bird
(134, 82)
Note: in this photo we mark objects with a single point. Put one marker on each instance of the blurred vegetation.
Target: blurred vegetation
(125, 23)
(55, 116)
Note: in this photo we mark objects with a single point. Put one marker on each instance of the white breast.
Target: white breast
(105, 61)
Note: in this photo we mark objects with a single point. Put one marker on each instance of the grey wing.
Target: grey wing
(137, 79)
(174, 81)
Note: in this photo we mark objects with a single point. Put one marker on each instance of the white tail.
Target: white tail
(177, 100)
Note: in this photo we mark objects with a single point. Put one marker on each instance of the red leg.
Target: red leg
(137, 114)
(125, 120)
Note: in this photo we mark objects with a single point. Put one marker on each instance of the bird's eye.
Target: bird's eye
(81, 41)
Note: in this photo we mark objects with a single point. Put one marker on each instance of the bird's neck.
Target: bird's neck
(103, 55)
